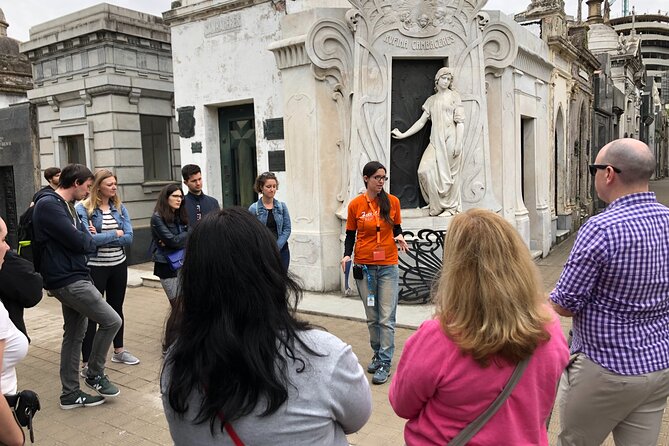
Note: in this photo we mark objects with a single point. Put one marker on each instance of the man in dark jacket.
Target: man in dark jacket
(63, 243)
(52, 177)
(21, 288)
(198, 204)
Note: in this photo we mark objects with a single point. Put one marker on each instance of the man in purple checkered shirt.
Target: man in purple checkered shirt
(615, 285)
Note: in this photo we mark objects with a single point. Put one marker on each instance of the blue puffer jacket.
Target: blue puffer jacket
(107, 238)
(281, 217)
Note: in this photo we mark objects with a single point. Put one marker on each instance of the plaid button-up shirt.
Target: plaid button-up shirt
(616, 282)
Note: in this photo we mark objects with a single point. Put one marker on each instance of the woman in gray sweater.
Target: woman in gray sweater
(240, 368)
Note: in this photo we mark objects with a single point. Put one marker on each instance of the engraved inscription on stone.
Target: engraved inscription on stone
(223, 24)
(4, 144)
(418, 44)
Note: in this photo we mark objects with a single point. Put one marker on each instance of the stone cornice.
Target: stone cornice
(290, 52)
(562, 46)
(92, 40)
(41, 96)
(205, 10)
(530, 63)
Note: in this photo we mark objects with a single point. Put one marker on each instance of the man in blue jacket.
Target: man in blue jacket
(62, 245)
(198, 204)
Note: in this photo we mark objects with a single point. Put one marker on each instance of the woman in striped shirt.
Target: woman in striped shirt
(108, 222)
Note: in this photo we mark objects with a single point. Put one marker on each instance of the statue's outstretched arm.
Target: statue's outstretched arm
(415, 128)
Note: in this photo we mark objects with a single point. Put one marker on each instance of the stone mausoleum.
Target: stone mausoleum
(104, 93)
(339, 77)
(19, 163)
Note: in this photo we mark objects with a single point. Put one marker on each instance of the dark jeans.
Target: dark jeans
(285, 256)
(111, 282)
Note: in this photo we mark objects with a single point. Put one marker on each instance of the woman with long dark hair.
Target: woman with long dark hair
(169, 230)
(491, 315)
(107, 219)
(373, 226)
(239, 364)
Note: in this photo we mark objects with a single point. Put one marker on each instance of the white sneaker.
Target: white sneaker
(125, 357)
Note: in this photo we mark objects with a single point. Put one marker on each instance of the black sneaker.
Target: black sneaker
(80, 399)
(382, 373)
(374, 365)
(102, 385)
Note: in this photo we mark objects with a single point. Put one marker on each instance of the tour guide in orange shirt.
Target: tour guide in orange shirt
(375, 217)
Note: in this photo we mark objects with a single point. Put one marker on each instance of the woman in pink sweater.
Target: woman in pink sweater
(490, 315)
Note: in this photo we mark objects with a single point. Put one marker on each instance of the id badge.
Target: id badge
(379, 254)
(370, 300)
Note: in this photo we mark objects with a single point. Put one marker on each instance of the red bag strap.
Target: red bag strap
(231, 431)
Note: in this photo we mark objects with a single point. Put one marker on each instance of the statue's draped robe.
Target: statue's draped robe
(439, 169)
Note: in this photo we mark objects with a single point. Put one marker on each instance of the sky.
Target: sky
(22, 14)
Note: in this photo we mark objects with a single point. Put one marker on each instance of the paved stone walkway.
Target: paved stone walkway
(136, 416)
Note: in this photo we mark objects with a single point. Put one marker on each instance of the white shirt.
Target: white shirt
(16, 348)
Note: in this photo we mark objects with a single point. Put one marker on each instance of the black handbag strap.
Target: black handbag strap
(472, 429)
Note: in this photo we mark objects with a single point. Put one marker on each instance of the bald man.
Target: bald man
(615, 285)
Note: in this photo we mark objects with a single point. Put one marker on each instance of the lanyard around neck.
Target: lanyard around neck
(376, 214)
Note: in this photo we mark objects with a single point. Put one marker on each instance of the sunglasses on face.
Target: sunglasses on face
(593, 168)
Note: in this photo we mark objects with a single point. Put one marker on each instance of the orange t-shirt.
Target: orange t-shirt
(362, 218)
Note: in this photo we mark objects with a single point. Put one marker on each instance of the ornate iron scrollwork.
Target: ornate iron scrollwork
(421, 265)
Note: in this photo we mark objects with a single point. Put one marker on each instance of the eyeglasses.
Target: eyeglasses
(379, 178)
(593, 168)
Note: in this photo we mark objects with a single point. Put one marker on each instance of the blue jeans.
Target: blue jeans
(381, 316)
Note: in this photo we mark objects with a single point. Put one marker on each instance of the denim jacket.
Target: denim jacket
(281, 217)
(107, 238)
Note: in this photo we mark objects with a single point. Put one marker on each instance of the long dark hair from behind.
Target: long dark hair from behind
(384, 203)
(163, 206)
(232, 333)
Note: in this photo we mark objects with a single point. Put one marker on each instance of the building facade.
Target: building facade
(570, 116)
(311, 89)
(653, 30)
(104, 94)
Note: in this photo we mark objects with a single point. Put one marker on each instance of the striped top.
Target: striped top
(616, 282)
(108, 255)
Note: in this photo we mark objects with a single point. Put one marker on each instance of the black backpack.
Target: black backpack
(26, 234)
(28, 247)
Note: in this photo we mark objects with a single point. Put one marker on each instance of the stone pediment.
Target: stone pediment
(415, 18)
(418, 18)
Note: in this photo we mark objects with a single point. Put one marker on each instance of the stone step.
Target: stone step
(150, 280)
(561, 235)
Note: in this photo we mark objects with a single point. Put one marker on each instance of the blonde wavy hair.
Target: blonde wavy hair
(94, 199)
(489, 297)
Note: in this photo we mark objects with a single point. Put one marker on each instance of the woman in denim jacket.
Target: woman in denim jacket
(272, 213)
(107, 219)
(169, 229)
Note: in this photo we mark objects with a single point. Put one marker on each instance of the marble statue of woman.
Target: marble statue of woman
(439, 168)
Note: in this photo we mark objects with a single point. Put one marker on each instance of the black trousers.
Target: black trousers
(111, 282)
